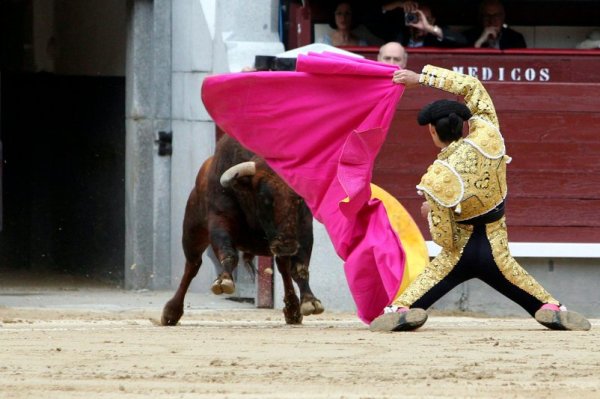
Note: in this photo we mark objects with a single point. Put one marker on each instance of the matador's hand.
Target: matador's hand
(406, 77)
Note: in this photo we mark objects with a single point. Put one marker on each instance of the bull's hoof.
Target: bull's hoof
(312, 306)
(171, 314)
(291, 310)
(222, 286)
(292, 317)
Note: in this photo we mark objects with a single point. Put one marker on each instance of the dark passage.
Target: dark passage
(63, 172)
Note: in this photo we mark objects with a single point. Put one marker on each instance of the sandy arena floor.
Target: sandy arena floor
(86, 351)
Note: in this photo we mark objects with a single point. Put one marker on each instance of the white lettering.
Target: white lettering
(530, 74)
(472, 71)
(486, 73)
(501, 74)
(515, 74)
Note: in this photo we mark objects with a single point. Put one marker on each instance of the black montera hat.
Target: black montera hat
(431, 113)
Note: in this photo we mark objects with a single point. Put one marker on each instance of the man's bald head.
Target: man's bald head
(393, 53)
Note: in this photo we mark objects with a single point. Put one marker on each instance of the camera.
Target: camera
(411, 18)
(271, 63)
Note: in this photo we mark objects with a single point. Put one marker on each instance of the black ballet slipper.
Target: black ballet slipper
(562, 320)
(400, 321)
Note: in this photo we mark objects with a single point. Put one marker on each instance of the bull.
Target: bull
(238, 204)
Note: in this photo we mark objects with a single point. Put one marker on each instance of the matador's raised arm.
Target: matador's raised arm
(475, 95)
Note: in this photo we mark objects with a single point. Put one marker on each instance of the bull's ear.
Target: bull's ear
(237, 173)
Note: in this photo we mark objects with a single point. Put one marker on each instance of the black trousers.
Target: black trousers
(477, 261)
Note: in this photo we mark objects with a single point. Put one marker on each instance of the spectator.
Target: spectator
(343, 25)
(418, 27)
(423, 32)
(393, 53)
(493, 31)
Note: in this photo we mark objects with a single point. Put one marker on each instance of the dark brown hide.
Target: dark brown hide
(256, 214)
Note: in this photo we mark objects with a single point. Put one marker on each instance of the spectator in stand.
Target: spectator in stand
(393, 53)
(493, 31)
(343, 24)
(419, 28)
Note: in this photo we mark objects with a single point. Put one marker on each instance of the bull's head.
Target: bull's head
(268, 201)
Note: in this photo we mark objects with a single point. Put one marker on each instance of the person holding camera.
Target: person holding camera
(419, 28)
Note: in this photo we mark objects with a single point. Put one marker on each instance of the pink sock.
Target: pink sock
(551, 306)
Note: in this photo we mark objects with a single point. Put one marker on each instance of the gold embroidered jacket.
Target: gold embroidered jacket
(468, 179)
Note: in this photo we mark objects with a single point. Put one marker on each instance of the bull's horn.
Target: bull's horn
(241, 169)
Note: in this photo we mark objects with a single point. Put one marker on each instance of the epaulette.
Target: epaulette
(485, 138)
(443, 184)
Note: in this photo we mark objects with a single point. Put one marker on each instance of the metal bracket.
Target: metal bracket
(165, 143)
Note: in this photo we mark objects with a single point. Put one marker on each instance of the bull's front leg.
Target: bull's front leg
(173, 309)
(310, 303)
(228, 258)
(291, 309)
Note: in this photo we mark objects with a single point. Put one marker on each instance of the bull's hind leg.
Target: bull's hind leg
(310, 303)
(291, 309)
(228, 258)
(195, 241)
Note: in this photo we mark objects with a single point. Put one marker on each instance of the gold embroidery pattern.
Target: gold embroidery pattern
(437, 269)
(498, 237)
(479, 159)
(441, 224)
(486, 138)
(483, 178)
(443, 264)
(442, 184)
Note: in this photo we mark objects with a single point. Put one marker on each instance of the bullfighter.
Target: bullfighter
(465, 190)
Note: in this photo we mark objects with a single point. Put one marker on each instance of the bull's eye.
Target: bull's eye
(264, 193)
(266, 200)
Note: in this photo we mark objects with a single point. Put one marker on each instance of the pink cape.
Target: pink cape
(320, 128)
